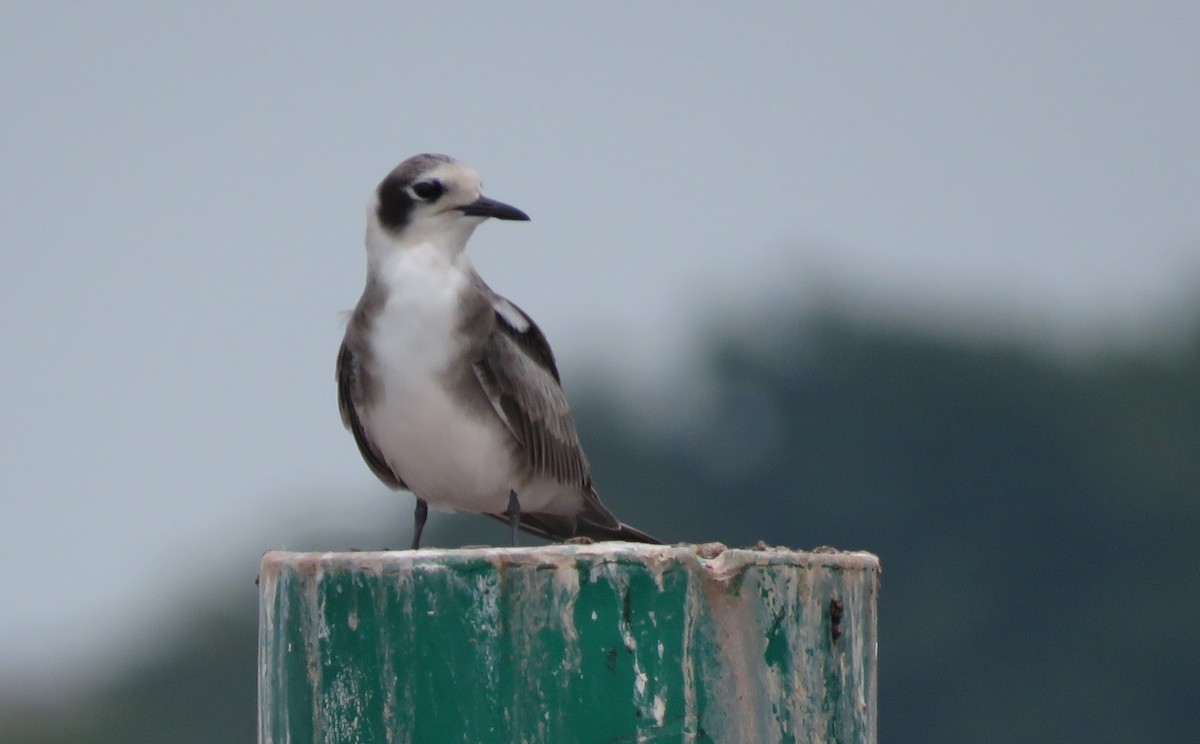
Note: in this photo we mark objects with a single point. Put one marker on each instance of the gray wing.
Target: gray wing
(353, 383)
(518, 373)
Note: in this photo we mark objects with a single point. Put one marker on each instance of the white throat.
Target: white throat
(445, 233)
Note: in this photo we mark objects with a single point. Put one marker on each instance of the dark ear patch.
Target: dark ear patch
(395, 204)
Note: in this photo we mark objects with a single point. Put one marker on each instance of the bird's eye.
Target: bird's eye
(428, 190)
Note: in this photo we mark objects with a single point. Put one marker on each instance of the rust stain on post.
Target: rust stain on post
(606, 642)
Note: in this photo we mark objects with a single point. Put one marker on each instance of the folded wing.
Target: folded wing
(518, 373)
(352, 383)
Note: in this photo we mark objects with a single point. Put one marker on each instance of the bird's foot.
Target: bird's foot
(514, 515)
(419, 517)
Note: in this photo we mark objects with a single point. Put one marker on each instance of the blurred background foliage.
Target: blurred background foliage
(1037, 517)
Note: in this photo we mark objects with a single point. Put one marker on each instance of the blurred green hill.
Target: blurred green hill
(1037, 519)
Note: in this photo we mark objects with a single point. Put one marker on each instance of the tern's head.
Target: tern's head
(431, 199)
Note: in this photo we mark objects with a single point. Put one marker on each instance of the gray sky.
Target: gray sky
(181, 218)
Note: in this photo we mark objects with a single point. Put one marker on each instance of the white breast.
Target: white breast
(444, 454)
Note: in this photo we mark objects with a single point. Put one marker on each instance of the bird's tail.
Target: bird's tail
(557, 528)
(621, 532)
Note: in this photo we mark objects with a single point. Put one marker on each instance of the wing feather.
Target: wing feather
(518, 373)
(352, 384)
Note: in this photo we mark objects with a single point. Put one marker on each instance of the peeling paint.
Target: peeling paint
(707, 643)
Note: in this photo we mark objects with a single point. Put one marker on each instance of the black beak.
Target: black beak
(485, 207)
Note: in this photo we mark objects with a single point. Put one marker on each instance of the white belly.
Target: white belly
(445, 457)
(447, 454)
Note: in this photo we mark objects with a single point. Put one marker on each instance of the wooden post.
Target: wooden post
(612, 642)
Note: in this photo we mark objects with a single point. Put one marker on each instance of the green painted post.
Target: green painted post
(612, 642)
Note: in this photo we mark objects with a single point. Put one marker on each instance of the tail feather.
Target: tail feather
(552, 527)
(622, 532)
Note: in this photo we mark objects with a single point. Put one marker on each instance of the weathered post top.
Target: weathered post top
(564, 643)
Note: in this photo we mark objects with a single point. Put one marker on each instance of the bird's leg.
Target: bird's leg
(419, 516)
(514, 514)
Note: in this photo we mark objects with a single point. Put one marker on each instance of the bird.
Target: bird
(451, 390)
